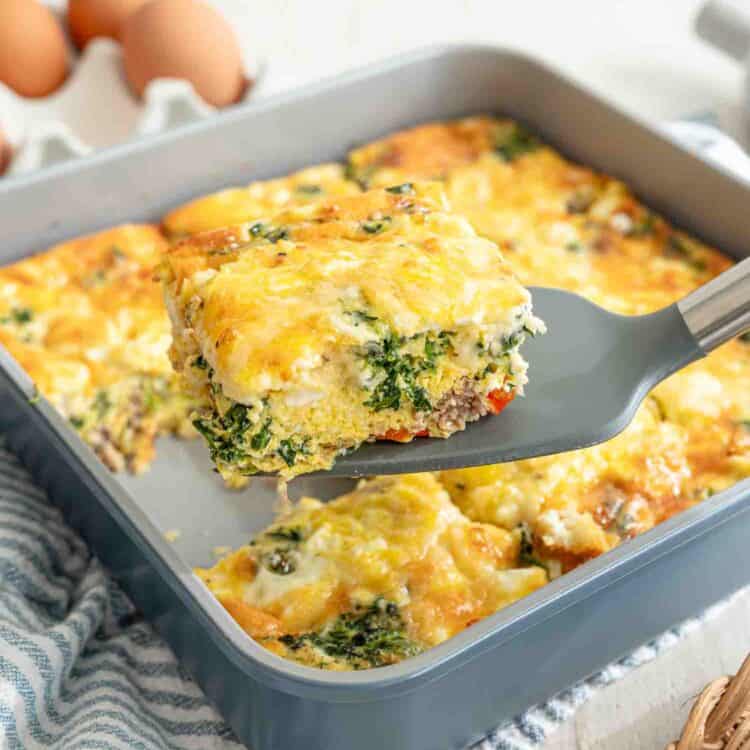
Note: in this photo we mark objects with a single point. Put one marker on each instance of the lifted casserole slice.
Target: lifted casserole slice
(372, 577)
(379, 315)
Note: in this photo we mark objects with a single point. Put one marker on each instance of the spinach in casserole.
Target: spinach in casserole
(366, 637)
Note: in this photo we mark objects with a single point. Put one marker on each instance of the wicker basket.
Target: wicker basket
(720, 717)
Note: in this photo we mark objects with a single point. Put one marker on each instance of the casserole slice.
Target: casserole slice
(372, 577)
(86, 321)
(379, 315)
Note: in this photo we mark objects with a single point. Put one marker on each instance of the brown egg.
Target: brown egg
(91, 18)
(183, 39)
(33, 55)
(5, 153)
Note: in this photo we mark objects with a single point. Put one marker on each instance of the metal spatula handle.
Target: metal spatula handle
(719, 310)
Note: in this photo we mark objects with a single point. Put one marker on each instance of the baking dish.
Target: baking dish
(459, 690)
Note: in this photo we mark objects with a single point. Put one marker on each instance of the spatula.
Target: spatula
(588, 375)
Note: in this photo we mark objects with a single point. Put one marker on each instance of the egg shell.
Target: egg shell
(88, 19)
(33, 52)
(183, 39)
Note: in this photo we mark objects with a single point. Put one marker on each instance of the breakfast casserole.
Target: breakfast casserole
(87, 323)
(349, 584)
(398, 564)
(378, 315)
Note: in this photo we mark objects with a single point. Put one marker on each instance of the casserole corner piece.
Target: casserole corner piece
(85, 320)
(374, 316)
(371, 578)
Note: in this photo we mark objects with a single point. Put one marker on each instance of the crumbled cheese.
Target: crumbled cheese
(302, 398)
(621, 223)
(201, 277)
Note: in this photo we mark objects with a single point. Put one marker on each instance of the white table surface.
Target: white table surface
(643, 55)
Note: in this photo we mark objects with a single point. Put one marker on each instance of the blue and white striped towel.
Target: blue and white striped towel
(80, 669)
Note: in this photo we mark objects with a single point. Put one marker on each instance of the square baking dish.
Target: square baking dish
(456, 692)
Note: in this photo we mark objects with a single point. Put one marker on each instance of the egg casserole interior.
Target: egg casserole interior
(374, 316)
(104, 363)
(403, 563)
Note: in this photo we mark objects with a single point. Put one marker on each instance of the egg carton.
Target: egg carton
(95, 108)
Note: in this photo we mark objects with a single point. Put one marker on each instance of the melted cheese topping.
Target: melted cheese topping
(235, 205)
(301, 320)
(558, 223)
(86, 321)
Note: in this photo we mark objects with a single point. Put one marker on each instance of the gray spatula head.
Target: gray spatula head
(588, 375)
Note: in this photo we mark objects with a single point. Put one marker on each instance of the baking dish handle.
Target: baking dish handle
(720, 310)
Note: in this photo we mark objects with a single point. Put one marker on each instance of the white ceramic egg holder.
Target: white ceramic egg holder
(94, 108)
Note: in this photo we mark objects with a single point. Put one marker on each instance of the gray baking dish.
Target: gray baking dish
(458, 691)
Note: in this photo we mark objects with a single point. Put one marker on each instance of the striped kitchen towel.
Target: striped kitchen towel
(79, 668)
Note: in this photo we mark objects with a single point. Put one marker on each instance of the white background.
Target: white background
(642, 54)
